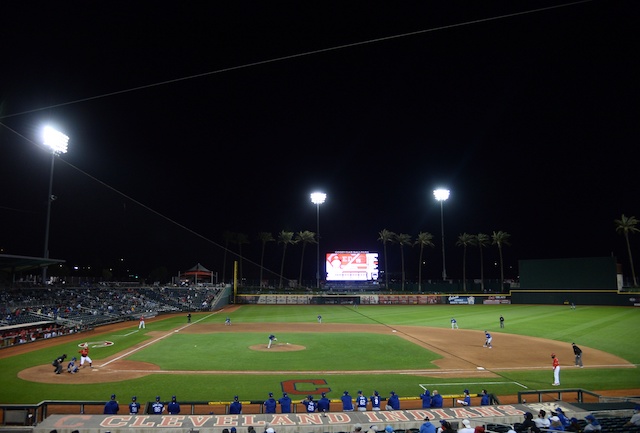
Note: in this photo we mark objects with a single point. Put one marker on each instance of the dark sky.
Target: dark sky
(188, 119)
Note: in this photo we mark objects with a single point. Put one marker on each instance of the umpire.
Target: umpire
(578, 353)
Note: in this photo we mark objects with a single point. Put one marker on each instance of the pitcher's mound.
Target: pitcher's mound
(279, 347)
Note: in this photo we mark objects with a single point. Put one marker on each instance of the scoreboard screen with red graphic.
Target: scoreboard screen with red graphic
(352, 266)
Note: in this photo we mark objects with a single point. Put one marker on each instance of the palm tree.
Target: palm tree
(424, 239)
(500, 238)
(626, 225)
(481, 240)
(464, 240)
(241, 239)
(285, 238)
(402, 239)
(306, 237)
(264, 237)
(386, 236)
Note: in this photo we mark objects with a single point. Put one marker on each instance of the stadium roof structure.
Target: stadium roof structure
(15, 264)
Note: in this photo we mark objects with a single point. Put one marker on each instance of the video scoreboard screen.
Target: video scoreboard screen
(352, 266)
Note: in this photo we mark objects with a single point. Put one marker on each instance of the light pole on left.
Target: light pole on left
(56, 141)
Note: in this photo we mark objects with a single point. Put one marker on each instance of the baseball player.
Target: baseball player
(57, 363)
(501, 321)
(393, 402)
(134, 406)
(111, 407)
(319, 318)
(235, 408)
(310, 404)
(361, 402)
(272, 338)
(72, 367)
(84, 355)
(487, 340)
(324, 404)
(285, 403)
(174, 407)
(426, 399)
(375, 401)
(467, 399)
(578, 353)
(347, 404)
(227, 321)
(157, 408)
(141, 325)
(454, 323)
(270, 404)
(556, 370)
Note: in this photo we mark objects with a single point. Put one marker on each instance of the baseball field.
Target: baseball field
(405, 349)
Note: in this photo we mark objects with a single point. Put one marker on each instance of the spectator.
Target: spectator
(389, 429)
(270, 404)
(173, 408)
(426, 399)
(445, 427)
(542, 421)
(574, 426)
(270, 430)
(479, 429)
(347, 404)
(285, 403)
(235, 407)
(593, 424)
(393, 403)
(556, 425)
(357, 428)
(111, 407)
(467, 427)
(635, 418)
(427, 427)
(563, 418)
(436, 399)
(528, 424)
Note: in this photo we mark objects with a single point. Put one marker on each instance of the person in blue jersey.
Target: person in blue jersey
(270, 404)
(427, 427)
(466, 401)
(111, 407)
(361, 402)
(134, 406)
(375, 401)
(272, 339)
(324, 404)
(285, 403)
(426, 399)
(454, 323)
(347, 403)
(157, 407)
(393, 402)
(487, 340)
(310, 404)
(235, 407)
(436, 399)
(485, 400)
(174, 407)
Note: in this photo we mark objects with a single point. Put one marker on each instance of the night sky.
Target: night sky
(187, 120)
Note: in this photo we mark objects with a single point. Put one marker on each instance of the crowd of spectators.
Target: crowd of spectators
(30, 314)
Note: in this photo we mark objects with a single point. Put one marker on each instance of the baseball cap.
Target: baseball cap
(310, 397)
(357, 426)
(466, 423)
(553, 354)
(375, 392)
(233, 429)
(113, 396)
(271, 430)
(235, 397)
(359, 392)
(554, 418)
(270, 394)
(442, 421)
(158, 398)
(528, 415)
(324, 394)
(466, 391)
(388, 429)
(74, 359)
(392, 393)
(284, 394)
(346, 393)
(134, 398)
(173, 398)
(559, 409)
(590, 417)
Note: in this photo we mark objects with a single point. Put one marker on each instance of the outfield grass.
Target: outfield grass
(609, 329)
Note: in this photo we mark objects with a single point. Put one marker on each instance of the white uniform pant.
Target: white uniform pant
(556, 375)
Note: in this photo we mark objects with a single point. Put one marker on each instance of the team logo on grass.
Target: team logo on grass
(94, 344)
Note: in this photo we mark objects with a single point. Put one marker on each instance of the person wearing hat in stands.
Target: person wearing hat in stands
(393, 402)
(285, 403)
(111, 407)
(347, 404)
(556, 425)
(467, 427)
(270, 404)
(134, 406)
(361, 402)
(389, 429)
(479, 429)
(357, 428)
(564, 420)
(235, 408)
(324, 404)
(445, 426)
(157, 407)
(173, 408)
(574, 426)
(427, 427)
(593, 424)
(635, 418)
(528, 424)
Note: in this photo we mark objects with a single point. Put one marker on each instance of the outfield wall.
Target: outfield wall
(371, 299)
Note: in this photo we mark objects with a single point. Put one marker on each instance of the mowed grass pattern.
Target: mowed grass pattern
(611, 329)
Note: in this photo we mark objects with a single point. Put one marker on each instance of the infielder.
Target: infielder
(84, 355)
(142, 325)
(272, 338)
(454, 323)
(556, 370)
(487, 341)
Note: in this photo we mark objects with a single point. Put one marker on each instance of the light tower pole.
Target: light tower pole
(441, 195)
(57, 142)
(318, 198)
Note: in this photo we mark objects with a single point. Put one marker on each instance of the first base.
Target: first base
(480, 368)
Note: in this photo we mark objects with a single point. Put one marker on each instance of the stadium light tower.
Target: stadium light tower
(441, 195)
(318, 198)
(57, 142)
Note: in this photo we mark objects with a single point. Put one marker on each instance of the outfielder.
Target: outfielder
(487, 341)
(272, 338)
(84, 355)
